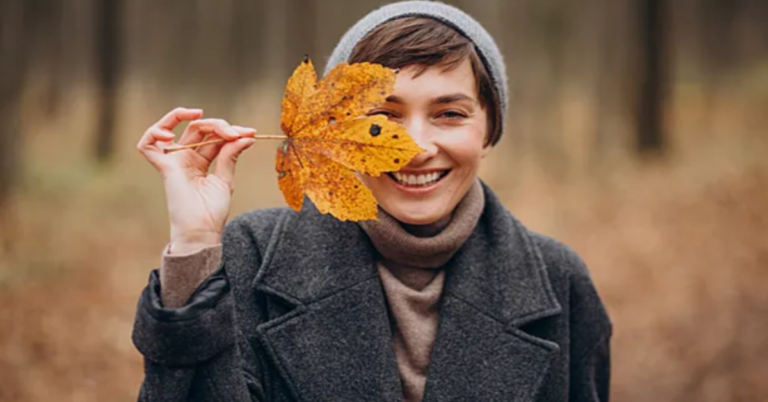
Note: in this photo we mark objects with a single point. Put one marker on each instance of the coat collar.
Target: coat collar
(336, 342)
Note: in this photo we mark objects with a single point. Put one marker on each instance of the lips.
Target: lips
(418, 179)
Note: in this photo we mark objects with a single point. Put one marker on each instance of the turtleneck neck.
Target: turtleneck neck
(428, 230)
(409, 268)
(426, 246)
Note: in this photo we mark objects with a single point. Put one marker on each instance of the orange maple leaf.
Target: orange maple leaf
(330, 137)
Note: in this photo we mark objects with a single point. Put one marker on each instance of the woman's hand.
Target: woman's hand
(198, 201)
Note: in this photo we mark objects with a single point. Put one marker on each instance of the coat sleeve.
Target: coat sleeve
(591, 329)
(197, 352)
(589, 326)
(591, 374)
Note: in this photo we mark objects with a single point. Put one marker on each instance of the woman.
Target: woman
(446, 297)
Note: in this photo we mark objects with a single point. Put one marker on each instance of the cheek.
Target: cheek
(465, 149)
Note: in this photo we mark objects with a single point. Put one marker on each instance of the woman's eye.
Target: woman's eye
(452, 114)
(383, 113)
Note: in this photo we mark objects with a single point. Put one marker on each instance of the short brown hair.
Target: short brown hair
(426, 42)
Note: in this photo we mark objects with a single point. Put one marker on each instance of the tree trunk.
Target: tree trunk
(301, 33)
(652, 78)
(108, 53)
(13, 59)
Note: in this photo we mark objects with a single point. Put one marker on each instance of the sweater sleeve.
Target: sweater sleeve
(180, 275)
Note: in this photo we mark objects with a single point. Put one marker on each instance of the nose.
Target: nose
(418, 130)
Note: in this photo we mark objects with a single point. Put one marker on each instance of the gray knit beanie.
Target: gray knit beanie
(449, 15)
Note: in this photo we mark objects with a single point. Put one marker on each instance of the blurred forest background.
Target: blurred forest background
(638, 134)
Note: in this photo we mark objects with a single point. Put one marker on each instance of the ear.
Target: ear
(486, 150)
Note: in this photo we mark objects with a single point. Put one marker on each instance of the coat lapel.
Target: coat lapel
(495, 284)
(336, 343)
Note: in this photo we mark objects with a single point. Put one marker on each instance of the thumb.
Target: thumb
(225, 163)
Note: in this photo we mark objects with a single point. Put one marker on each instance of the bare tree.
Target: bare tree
(652, 77)
(108, 53)
(302, 32)
(12, 69)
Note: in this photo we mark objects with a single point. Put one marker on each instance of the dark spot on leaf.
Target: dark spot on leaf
(397, 160)
(330, 193)
(375, 130)
(382, 93)
(394, 137)
(281, 175)
(355, 185)
(349, 114)
(331, 120)
(306, 58)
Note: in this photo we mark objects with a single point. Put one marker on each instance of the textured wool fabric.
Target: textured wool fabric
(180, 275)
(298, 313)
(449, 15)
(411, 274)
(410, 271)
(397, 245)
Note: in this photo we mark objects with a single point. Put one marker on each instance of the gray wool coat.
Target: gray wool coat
(297, 313)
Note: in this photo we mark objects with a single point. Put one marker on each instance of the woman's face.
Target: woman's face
(441, 111)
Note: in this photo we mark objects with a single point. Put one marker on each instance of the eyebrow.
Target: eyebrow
(452, 98)
(443, 99)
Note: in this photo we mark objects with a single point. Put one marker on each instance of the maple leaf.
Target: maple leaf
(330, 137)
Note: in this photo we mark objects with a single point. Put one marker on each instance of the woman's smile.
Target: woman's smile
(418, 182)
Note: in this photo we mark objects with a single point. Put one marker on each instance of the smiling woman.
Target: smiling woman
(440, 109)
(447, 296)
(445, 97)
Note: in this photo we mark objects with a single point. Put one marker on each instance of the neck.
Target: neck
(430, 229)
(426, 246)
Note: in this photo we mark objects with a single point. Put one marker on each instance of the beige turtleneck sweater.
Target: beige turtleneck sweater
(410, 268)
(412, 276)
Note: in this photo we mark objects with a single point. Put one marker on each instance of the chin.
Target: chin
(415, 215)
(410, 209)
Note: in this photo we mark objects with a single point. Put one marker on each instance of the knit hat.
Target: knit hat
(449, 15)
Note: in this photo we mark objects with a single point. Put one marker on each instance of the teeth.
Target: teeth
(416, 180)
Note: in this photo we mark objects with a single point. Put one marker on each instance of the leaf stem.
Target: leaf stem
(200, 144)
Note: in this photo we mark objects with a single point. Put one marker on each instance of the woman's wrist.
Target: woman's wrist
(188, 243)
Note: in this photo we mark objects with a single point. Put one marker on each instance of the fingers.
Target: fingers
(176, 116)
(161, 132)
(198, 129)
(210, 151)
(248, 132)
(225, 163)
(148, 144)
